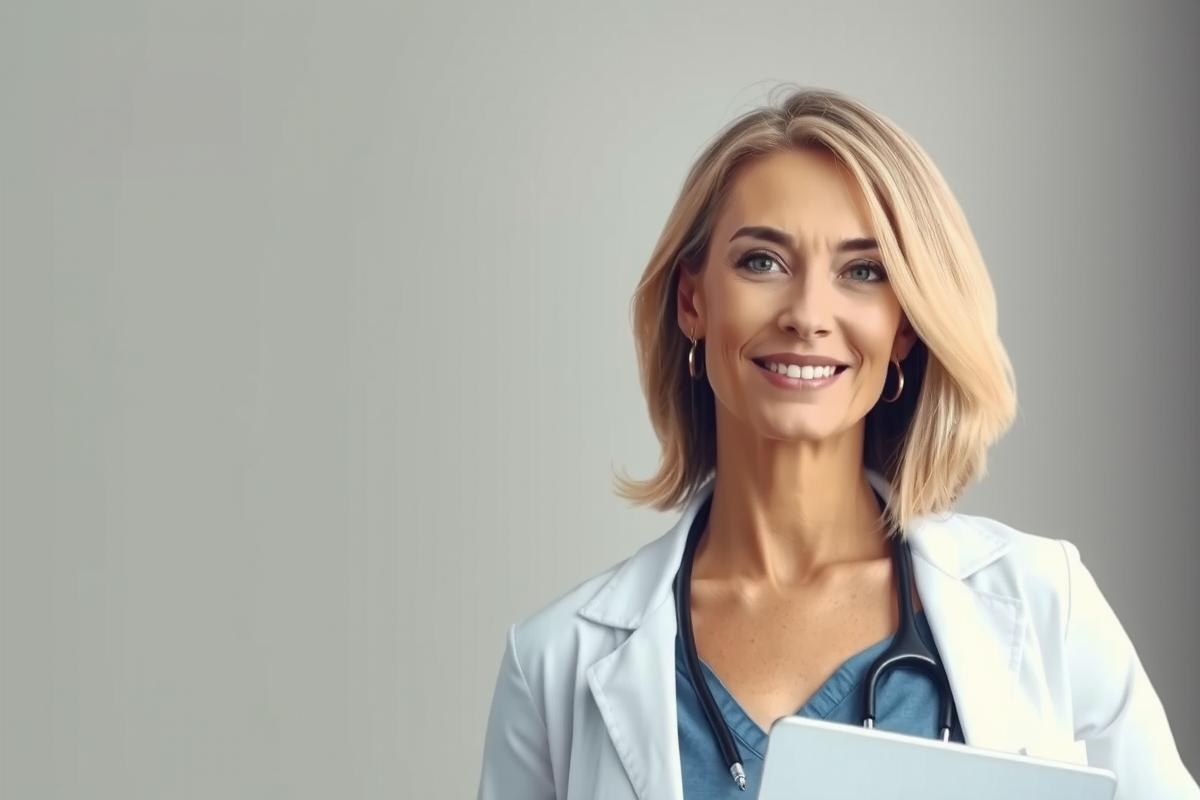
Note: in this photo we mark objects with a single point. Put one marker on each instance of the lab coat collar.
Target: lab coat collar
(980, 636)
(948, 542)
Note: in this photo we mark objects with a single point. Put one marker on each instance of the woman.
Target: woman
(817, 338)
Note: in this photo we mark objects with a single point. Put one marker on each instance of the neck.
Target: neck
(783, 511)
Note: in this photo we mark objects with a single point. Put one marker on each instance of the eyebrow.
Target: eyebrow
(779, 237)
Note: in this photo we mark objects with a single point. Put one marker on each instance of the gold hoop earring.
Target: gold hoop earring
(899, 383)
(693, 370)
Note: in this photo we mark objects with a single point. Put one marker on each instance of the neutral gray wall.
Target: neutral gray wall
(316, 354)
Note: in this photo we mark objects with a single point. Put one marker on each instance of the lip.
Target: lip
(798, 384)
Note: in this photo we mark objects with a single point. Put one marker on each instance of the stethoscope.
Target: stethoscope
(906, 651)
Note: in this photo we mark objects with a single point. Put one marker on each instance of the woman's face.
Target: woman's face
(793, 277)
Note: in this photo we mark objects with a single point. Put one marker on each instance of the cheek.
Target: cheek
(874, 331)
(732, 323)
(734, 304)
(734, 319)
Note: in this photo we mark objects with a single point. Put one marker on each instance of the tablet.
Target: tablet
(809, 758)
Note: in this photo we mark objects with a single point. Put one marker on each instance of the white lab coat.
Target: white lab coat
(584, 704)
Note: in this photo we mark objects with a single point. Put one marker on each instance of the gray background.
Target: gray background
(317, 359)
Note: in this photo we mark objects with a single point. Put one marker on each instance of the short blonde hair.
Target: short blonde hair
(960, 391)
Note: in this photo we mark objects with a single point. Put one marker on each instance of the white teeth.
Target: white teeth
(806, 372)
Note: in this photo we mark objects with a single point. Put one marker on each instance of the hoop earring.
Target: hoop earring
(899, 386)
(693, 370)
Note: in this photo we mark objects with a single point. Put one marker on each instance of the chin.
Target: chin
(799, 430)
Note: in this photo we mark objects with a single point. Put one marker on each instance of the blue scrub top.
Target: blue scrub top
(907, 702)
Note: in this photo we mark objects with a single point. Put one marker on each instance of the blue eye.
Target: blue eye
(868, 267)
(757, 255)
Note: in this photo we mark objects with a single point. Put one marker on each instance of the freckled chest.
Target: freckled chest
(773, 650)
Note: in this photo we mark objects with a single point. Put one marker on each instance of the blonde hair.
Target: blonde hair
(960, 391)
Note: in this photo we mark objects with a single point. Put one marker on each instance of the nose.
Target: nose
(809, 311)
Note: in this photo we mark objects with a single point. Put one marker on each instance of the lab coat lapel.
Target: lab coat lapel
(979, 635)
(634, 688)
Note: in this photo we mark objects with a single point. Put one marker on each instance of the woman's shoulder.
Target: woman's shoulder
(594, 616)
(554, 619)
(1026, 547)
(993, 555)
(1037, 577)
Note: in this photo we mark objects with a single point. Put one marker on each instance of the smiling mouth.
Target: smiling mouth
(797, 371)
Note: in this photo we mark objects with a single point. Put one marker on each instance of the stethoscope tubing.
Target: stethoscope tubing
(907, 650)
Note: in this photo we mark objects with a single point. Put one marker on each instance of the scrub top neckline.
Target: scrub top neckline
(825, 700)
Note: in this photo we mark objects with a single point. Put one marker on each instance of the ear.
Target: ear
(906, 339)
(689, 310)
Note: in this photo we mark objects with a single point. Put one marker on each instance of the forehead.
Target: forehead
(804, 192)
